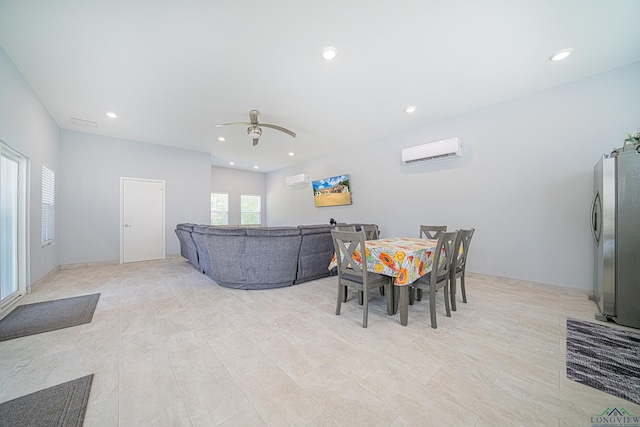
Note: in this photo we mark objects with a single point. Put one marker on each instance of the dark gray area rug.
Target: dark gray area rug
(605, 358)
(48, 316)
(61, 405)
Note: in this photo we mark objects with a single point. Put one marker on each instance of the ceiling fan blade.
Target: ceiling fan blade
(255, 141)
(280, 128)
(234, 123)
(253, 116)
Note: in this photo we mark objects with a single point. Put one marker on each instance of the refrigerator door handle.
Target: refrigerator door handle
(596, 218)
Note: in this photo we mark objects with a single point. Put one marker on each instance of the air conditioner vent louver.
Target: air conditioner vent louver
(84, 123)
(447, 148)
(440, 156)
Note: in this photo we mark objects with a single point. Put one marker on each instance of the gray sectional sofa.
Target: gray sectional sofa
(258, 257)
(187, 245)
(316, 251)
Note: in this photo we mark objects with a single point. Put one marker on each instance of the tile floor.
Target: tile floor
(169, 347)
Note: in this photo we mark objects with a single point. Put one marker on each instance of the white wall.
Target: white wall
(235, 183)
(27, 127)
(525, 181)
(89, 191)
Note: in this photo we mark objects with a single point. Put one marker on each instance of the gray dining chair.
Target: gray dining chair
(348, 228)
(439, 276)
(371, 231)
(432, 231)
(349, 246)
(426, 232)
(459, 264)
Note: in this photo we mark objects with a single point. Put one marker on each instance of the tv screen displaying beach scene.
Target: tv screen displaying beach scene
(332, 191)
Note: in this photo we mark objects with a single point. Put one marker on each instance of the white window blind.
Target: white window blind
(219, 209)
(48, 205)
(250, 209)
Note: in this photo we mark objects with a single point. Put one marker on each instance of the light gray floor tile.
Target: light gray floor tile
(168, 346)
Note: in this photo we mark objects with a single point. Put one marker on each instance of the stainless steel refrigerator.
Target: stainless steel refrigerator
(615, 224)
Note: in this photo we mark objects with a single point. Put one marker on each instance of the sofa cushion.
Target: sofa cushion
(187, 226)
(220, 231)
(315, 229)
(273, 231)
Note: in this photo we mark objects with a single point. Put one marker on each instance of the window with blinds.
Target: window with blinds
(48, 205)
(250, 209)
(219, 208)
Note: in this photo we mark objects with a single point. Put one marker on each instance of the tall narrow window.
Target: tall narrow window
(8, 225)
(13, 218)
(48, 205)
(219, 209)
(249, 209)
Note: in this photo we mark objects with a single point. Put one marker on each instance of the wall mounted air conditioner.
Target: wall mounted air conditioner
(299, 179)
(447, 148)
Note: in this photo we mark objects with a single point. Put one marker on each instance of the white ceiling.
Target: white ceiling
(172, 70)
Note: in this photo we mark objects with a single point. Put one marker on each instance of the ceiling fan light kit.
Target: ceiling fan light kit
(254, 133)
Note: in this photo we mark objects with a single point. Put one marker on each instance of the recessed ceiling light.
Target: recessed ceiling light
(221, 139)
(255, 167)
(231, 163)
(410, 109)
(329, 53)
(560, 55)
(291, 154)
(112, 115)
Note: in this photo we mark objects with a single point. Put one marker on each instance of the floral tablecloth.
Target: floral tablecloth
(405, 258)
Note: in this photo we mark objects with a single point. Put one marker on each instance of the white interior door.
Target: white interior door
(142, 220)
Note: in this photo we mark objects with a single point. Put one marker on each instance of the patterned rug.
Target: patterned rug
(29, 319)
(605, 358)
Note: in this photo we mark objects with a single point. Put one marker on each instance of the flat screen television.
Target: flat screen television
(332, 191)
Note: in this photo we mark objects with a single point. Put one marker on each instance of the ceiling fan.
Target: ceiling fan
(254, 129)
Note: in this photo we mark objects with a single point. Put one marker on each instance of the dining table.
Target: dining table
(405, 259)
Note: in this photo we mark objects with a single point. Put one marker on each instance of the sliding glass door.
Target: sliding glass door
(12, 282)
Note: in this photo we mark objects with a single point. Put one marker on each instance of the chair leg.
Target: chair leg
(446, 300)
(346, 291)
(359, 297)
(381, 290)
(365, 309)
(404, 305)
(412, 295)
(432, 307)
(464, 293)
(390, 300)
(396, 297)
(419, 294)
(452, 290)
(340, 298)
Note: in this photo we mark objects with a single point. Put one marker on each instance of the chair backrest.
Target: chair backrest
(371, 231)
(349, 247)
(432, 231)
(345, 228)
(463, 240)
(442, 261)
